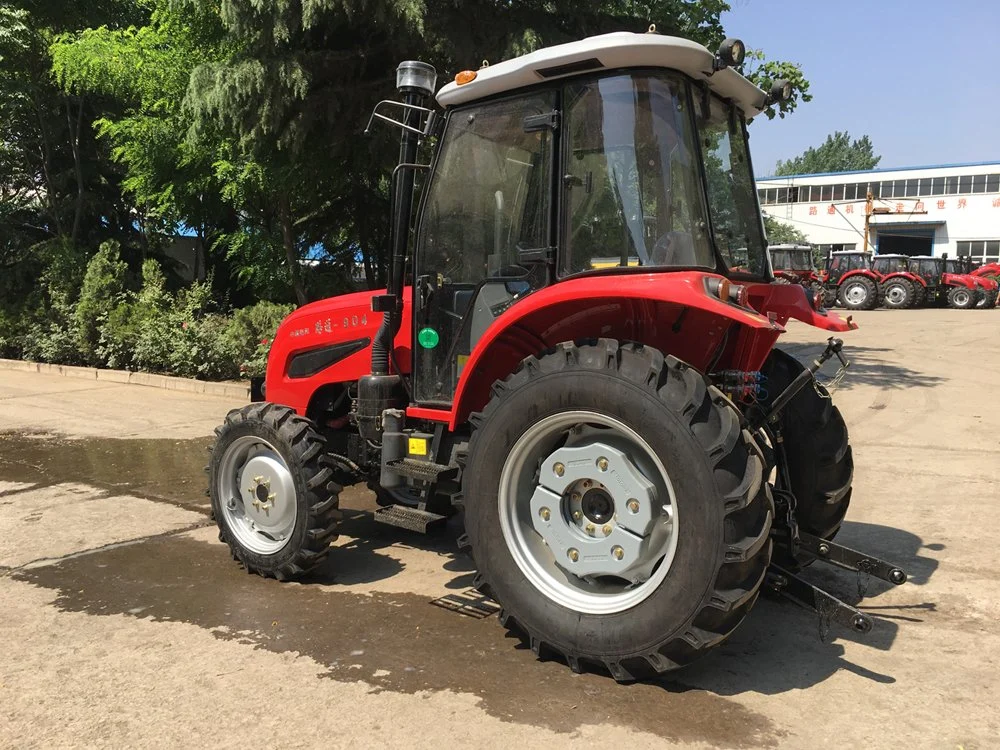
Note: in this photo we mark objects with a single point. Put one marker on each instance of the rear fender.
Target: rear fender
(784, 301)
(861, 272)
(913, 278)
(673, 312)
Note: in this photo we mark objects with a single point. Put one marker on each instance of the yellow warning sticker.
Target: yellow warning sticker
(417, 447)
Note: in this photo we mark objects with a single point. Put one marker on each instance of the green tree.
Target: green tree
(782, 233)
(838, 153)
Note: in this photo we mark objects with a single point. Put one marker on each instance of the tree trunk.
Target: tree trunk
(288, 239)
(74, 142)
(46, 154)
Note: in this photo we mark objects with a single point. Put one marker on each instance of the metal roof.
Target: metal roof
(881, 170)
(607, 52)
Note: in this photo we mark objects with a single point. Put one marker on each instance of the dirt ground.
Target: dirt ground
(125, 622)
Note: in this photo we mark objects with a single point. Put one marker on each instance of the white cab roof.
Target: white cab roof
(610, 51)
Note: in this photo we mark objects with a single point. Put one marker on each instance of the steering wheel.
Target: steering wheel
(674, 249)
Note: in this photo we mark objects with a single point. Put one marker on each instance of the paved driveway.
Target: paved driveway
(125, 622)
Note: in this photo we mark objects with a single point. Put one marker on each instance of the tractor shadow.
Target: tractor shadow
(778, 648)
(365, 552)
(782, 647)
(868, 367)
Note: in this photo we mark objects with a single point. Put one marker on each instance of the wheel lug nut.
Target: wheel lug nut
(607, 529)
(590, 528)
(559, 469)
(617, 552)
(545, 513)
(572, 554)
(577, 515)
(632, 505)
(575, 497)
(602, 463)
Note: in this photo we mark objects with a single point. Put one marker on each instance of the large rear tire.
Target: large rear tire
(898, 294)
(817, 451)
(272, 491)
(859, 293)
(679, 584)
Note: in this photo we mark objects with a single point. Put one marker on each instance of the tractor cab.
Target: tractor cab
(840, 264)
(793, 262)
(612, 172)
(884, 265)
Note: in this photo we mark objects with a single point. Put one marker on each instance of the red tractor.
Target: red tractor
(609, 432)
(989, 274)
(794, 264)
(946, 285)
(850, 281)
(899, 286)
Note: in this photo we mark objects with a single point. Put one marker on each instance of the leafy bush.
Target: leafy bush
(250, 333)
(101, 292)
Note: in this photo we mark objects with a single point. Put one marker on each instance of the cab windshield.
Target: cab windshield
(631, 181)
(732, 198)
(891, 265)
(799, 259)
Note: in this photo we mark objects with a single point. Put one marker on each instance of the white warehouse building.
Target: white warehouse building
(950, 209)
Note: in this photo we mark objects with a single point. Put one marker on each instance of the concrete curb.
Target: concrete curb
(167, 382)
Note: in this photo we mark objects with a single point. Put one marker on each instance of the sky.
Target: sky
(921, 78)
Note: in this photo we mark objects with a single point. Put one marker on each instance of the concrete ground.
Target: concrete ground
(125, 622)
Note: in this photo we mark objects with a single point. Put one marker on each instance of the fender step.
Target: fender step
(424, 471)
(413, 519)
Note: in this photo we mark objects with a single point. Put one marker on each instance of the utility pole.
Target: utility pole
(869, 208)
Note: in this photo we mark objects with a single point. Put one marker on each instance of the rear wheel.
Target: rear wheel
(272, 492)
(859, 293)
(615, 509)
(817, 452)
(898, 293)
(960, 298)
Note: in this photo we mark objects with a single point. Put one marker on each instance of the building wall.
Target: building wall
(958, 205)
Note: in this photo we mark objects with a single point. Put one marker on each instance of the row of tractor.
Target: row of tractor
(861, 281)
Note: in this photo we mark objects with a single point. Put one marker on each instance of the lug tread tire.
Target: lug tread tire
(909, 294)
(737, 466)
(871, 301)
(820, 461)
(304, 451)
(955, 293)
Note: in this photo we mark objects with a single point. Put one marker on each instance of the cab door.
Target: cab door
(485, 232)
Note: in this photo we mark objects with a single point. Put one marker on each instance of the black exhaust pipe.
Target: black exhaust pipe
(382, 390)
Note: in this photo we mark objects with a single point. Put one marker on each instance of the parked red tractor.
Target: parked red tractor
(850, 281)
(989, 273)
(944, 285)
(609, 431)
(899, 286)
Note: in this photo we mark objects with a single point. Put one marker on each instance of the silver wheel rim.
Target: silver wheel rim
(895, 295)
(558, 528)
(257, 495)
(962, 298)
(856, 294)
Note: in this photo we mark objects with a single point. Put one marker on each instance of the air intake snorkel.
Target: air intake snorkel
(416, 81)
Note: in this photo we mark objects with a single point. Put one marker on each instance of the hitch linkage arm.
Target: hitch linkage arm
(834, 348)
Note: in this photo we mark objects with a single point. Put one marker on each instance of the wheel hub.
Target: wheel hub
(598, 506)
(896, 295)
(586, 521)
(258, 493)
(857, 293)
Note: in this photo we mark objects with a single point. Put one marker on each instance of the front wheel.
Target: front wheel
(859, 293)
(272, 492)
(960, 298)
(615, 509)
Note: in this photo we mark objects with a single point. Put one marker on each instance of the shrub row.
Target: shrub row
(183, 333)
